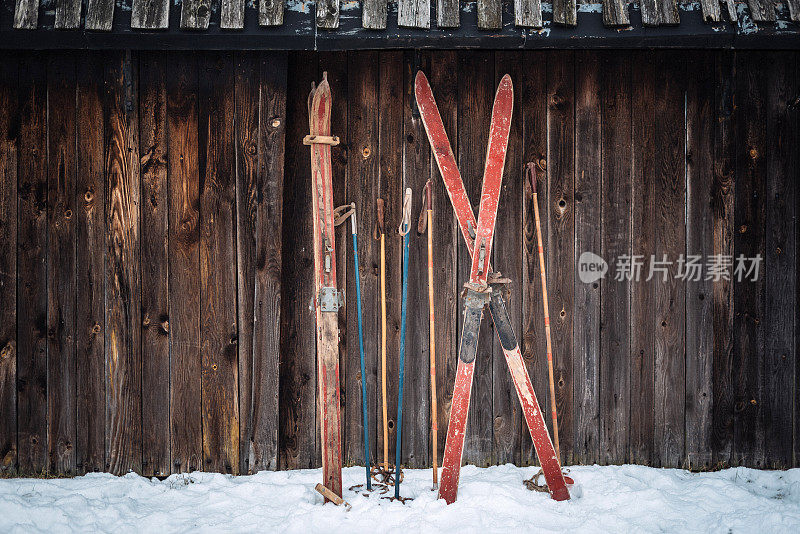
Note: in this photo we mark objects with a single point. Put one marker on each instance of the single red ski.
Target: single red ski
(327, 298)
(445, 160)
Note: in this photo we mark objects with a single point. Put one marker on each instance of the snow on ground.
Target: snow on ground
(605, 499)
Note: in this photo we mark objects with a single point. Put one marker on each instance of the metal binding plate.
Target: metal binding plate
(330, 300)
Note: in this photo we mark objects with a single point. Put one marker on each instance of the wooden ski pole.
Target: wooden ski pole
(382, 236)
(426, 221)
(533, 175)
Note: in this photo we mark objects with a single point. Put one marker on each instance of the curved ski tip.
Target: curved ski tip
(506, 82)
(420, 79)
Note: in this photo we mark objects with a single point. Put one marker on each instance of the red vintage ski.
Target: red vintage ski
(482, 235)
(327, 298)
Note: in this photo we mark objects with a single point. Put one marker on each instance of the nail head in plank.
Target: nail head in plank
(68, 14)
(232, 16)
(564, 12)
(149, 14)
(414, 13)
(195, 14)
(100, 15)
(270, 12)
(26, 14)
(762, 10)
(447, 14)
(615, 13)
(490, 14)
(328, 14)
(528, 13)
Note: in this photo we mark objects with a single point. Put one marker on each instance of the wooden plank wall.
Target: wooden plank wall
(154, 256)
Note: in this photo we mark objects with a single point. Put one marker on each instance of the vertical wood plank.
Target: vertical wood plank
(615, 242)
(99, 15)
(270, 12)
(699, 241)
(90, 234)
(794, 9)
(32, 268)
(68, 14)
(184, 264)
(561, 235)
(565, 12)
(448, 14)
(414, 13)
(444, 84)
(327, 14)
(155, 261)
(195, 14)
(149, 14)
(722, 204)
(475, 97)
(390, 127)
(586, 325)
(490, 14)
(528, 13)
(61, 390)
(362, 151)
(749, 241)
(218, 327)
(9, 146)
(26, 14)
(373, 14)
(416, 172)
(711, 10)
(780, 284)
(232, 14)
(644, 202)
(615, 13)
(670, 243)
(659, 12)
(762, 10)
(534, 348)
(123, 297)
(506, 413)
(298, 345)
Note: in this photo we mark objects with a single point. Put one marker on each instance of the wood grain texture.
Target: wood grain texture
(586, 325)
(528, 13)
(218, 327)
(475, 98)
(414, 13)
(61, 265)
(565, 12)
(660, 12)
(700, 121)
(9, 149)
(184, 264)
(794, 9)
(506, 410)
(490, 14)
(762, 10)
(68, 14)
(373, 14)
(232, 14)
(90, 246)
(533, 344)
(722, 206)
(444, 80)
(615, 242)
(270, 12)
(155, 261)
(362, 172)
(615, 13)
(195, 14)
(448, 14)
(644, 202)
(150, 14)
(561, 236)
(749, 241)
(32, 267)
(780, 263)
(327, 15)
(298, 346)
(26, 14)
(733, 16)
(100, 15)
(123, 277)
(416, 172)
(711, 10)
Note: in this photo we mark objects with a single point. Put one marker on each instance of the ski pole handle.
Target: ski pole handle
(353, 217)
(380, 228)
(422, 223)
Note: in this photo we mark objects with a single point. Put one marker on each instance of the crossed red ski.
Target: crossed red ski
(495, 160)
(326, 296)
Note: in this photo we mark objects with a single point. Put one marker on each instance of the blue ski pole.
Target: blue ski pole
(365, 421)
(405, 226)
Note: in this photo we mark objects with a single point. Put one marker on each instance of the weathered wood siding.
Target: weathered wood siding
(155, 269)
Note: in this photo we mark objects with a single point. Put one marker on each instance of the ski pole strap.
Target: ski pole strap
(532, 174)
(344, 211)
(422, 223)
(379, 223)
(405, 223)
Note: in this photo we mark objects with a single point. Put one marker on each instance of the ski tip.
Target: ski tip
(506, 81)
(420, 78)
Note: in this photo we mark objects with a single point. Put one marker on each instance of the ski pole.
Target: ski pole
(405, 226)
(382, 236)
(426, 221)
(532, 173)
(365, 420)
